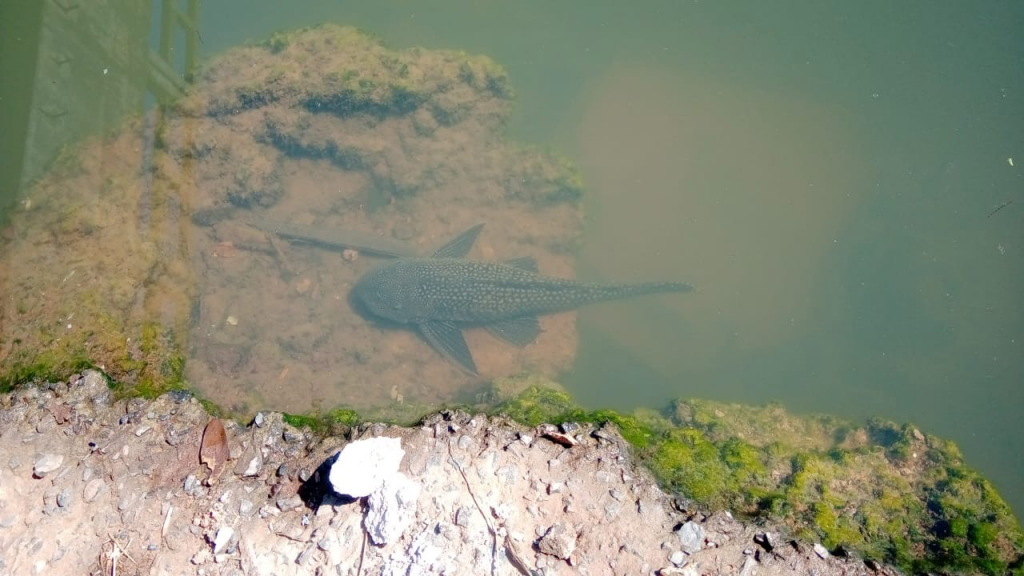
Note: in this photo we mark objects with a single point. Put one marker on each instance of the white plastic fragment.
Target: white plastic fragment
(363, 465)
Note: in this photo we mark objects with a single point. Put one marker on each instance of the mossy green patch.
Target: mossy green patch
(333, 422)
(884, 490)
(49, 365)
(538, 404)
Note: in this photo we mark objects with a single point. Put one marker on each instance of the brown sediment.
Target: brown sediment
(339, 239)
(405, 146)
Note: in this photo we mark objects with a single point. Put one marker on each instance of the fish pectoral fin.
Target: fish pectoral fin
(459, 246)
(528, 263)
(446, 338)
(516, 331)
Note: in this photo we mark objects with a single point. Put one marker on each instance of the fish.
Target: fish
(338, 238)
(1000, 207)
(440, 295)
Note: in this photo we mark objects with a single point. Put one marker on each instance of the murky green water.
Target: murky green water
(825, 173)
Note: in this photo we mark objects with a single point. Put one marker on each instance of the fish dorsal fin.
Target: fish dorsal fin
(516, 331)
(459, 246)
(446, 338)
(528, 263)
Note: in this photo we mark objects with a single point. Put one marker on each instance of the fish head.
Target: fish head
(389, 292)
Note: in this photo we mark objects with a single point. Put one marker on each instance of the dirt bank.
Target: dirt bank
(86, 482)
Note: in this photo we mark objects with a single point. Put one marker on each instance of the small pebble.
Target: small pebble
(305, 555)
(202, 557)
(462, 516)
(286, 504)
(46, 424)
(64, 498)
(224, 535)
(191, 483)
(92, 489)
(47, 463)
(252, 467)
(569, 427)
(678, 558)
(821, 551)
(267, 511)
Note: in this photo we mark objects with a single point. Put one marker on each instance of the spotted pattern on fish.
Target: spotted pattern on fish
(441, 294)
(415, 290)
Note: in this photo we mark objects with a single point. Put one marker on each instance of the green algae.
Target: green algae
(332, 422)
(885, 491)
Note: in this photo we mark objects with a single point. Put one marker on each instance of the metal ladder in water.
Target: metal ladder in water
(165, 81)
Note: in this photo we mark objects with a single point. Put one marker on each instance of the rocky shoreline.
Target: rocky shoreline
(87, 482)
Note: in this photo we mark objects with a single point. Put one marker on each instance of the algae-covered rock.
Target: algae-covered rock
(325, 129)
(888, 492)
(147, 252)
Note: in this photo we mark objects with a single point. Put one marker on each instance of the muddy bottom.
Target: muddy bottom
(276, 330)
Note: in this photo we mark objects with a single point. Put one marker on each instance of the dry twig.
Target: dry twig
(510, 552)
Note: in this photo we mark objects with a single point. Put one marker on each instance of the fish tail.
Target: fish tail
(631, 290)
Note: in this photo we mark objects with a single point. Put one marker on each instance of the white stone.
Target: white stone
(363, 465)
(691, 537)
(221, 540)
(678, 557)
(391, 508)
(47, 463)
